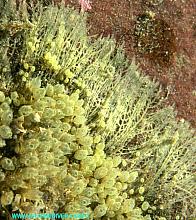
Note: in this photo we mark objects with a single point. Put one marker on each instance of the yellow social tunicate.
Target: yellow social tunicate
(2, 143)
(133, 176)
(141, 198)
(60, 104)
(114, 172)
(48, 113)
(28, 173)
(131, 203)
(79, 120)
(142, 180)
(93, 182)
(136, 212)
(128, 205)
(100, 172)
(97, 139)
(31, 144)
(124, 163)
(108, 162)
(89, 191)
(124, 186)
(78, 187)
(5, 106)
(120, 217)
(147, 217)
(14, 95)
(46, 157)
(111, 214)
(39, 93)
(78, 110)
(75, 98)
(65, 148)
(49, 102)
(100, 188)
(102, 196)
(26, 66)
(86, 141)
(2, 96)
(84, 201)
(124, 176)
(81, 132)
(2, 175)
(108, 182)
(117, 206)
(116, 161)
(68, 138)
(100, 146)
(145, 206)
(131, 191)
(118, 185)
(7, 164)
(98, 160)
(30, 160)
(49, 90)
(69, 181)
(99, 154)
(6, 117)
(100, 211)
(32, 68)
(59, 114)
(5, 132)
(112, 191)
(68, 111)
(141, 190)
(80, 154)
(32, 194)
(110, 202)
(39, 105)
(59, 89)
(125, 195)
(88, 161)
(7, 198)
(25, 110)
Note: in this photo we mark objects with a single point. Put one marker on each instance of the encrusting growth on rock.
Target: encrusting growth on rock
(155, 39)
